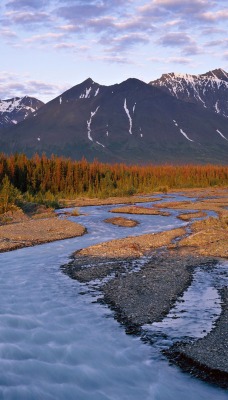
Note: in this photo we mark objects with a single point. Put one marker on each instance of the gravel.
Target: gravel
(207, 358)
(139, 292)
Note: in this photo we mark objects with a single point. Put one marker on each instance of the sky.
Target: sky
(48, 46)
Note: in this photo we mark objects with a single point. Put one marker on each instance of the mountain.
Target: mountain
(208, 90)
(129, 122)
(17, 109)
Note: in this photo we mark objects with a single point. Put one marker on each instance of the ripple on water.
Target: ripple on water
(55, 345)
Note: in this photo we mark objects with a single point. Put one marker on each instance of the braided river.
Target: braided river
(56, 343)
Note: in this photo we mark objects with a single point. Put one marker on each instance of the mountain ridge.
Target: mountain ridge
(127, 122)
(208, 90)
(17, 109)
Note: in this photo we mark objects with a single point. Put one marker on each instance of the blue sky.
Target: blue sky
(48, 46)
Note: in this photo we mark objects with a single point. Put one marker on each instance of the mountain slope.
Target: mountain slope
(17, 109)
(209, 90)
(128, 122)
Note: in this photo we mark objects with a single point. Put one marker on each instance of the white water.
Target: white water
(56, 344)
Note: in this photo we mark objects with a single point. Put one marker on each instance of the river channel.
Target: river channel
(57, 344)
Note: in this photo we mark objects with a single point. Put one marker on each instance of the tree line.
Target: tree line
(41, 177)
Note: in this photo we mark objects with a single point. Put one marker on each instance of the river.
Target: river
(56, 343)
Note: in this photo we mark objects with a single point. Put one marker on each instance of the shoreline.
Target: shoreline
(206, 201)
(147, 294)
(210, 365)
(32, 232)
(140, 277)
(144, 295)
(200, 193)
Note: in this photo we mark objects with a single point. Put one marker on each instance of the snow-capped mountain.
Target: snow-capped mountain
(209, 90)
(17, 109)
(129, 122)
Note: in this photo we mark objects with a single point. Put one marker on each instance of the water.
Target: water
(194, 315)
(55, 344)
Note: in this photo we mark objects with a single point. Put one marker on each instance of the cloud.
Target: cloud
(81, 12)
(117, 59)
(113, 27)
(125, 42)
(18, 4)
(179, 60)
(103, 24)
(27, 17)
(220, 42)
(44, 38)
(215, 16)
(70, 46)
(212, 30)
(174, 22)
(7, 33)
(160, 8)
(181, 40)
(171, 60)
(192, 50)
(175, 39)
(13, 85)
(65, 46)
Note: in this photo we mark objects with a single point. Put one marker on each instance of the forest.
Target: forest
(46, 180)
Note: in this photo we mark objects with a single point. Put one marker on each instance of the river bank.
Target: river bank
(143, 290)
(57, 344)
(207, 358)
(141, 277)
(21, 229)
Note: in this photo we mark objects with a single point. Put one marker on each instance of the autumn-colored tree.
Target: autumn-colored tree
(66, 178)
(8, 195)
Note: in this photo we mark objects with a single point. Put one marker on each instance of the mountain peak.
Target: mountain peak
(131, 122)
(17, 109)
(217, 74)
(209, 90)
(89, 81)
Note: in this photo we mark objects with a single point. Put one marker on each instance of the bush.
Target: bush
(9, 195)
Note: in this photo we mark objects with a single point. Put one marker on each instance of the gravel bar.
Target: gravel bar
(207, 358)
(139, 292)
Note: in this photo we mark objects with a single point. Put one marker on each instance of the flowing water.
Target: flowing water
(58, 344)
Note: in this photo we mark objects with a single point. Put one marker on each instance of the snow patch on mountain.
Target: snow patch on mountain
(90, 121)
(182, 132)
(100, 144)
(128, 115)
(86, 94)
(185, 135)
(220, 133)
(208, 90)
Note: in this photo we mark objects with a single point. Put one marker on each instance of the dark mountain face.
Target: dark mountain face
(130, 122)
(17, 109)
(208, 90)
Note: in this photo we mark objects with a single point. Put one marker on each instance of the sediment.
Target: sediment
(140, 291)
(133, 246)
(37, 231)
(120, 221)
(207, 358)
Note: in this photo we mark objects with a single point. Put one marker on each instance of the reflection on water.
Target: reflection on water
(55, 344)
